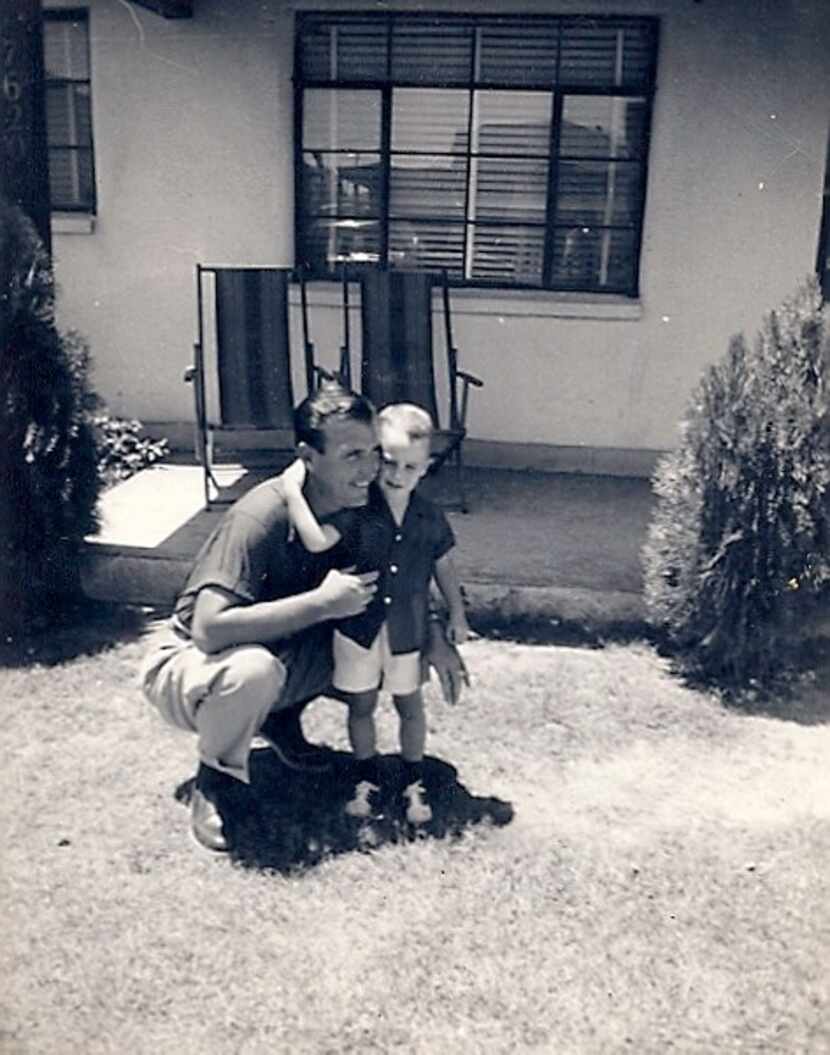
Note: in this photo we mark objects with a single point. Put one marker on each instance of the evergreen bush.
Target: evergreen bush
(737, 556)
(49, 479)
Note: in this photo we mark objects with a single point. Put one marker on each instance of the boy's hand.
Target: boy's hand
(458, 630)
(294, 475)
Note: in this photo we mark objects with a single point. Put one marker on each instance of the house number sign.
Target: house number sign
(22, 121)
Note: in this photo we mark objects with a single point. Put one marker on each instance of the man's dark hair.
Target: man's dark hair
(330, 401)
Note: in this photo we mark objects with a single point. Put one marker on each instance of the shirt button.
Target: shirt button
(387, 600)
(393, 568)
(398, 537)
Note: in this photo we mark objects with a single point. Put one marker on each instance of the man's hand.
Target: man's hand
(344, 593)
(445, 660)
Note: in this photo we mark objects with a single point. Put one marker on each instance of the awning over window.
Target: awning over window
(168, 8)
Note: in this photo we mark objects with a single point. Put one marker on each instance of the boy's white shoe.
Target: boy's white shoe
(361, 804)
(418, 809)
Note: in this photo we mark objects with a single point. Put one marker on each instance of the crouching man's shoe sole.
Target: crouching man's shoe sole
(206, 823)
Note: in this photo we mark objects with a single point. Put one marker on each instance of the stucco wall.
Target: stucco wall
(193, 132)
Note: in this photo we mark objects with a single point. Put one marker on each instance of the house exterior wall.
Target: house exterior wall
(193, 135)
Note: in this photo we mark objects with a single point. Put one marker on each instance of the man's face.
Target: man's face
(339, 477)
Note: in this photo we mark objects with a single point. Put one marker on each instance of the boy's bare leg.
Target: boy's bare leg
(413, 726)
(362, 723)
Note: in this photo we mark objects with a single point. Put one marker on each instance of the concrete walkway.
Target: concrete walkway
(534, 546)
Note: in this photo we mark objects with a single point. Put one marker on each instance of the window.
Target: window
(68, 110)
(510, 151)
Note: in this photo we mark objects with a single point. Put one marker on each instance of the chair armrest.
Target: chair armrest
(320, 372)
(469, 379)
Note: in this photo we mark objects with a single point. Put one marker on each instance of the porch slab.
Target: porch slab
(535, 546)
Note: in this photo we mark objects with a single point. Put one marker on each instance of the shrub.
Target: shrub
(48, 474)
(122, 449)
(737, 556)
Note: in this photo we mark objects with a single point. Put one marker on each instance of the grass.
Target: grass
(663, 885)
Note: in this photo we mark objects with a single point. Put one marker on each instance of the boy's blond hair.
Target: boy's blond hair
(412, 421)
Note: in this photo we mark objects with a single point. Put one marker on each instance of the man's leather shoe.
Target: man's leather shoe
(310, 759)
(206, 822)
(284, 734)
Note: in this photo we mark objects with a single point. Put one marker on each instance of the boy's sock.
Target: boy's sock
(365, 800)
(418, 809)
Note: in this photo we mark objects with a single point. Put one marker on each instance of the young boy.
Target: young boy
(408, 540)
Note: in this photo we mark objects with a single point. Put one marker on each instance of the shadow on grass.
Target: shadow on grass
(804, 699)
(798, 692)
(568, 633)
(289, 822)
(88, 628)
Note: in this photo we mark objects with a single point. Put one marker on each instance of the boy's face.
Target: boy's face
(403, 463)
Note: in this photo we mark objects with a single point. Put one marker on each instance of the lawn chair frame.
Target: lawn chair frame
(250, 318)
(397, 359)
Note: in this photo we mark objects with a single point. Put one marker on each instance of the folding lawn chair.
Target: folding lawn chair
(241, 373)
(397, 361)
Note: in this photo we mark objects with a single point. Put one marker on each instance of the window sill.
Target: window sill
(504, 303)
(72, 223)
(548, 304)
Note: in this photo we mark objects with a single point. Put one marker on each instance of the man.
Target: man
(249, 644)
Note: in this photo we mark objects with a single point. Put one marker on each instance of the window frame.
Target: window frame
(79, 15)
(558, 93)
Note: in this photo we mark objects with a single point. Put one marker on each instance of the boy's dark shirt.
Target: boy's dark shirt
(405, 556)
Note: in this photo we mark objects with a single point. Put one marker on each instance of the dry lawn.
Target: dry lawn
(663, 886)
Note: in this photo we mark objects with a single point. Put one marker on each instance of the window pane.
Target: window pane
(590, 257)
(518, 54)
(426, 245)
(70, 179)
(59, 111)
(513, 123)
(598, 192)
(341, 184)
(602, 126)
(513, 253)
(68, 117)
(430, 119)
(345, 119)
(510, 189)
(329, 243)
(430, 51)
(605, 53)
(65, 52)
(344, 49)
(426, 186)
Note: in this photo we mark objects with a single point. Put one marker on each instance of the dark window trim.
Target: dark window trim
(75, 14)
(645, 88)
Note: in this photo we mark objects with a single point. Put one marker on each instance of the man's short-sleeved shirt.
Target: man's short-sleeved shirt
(405, 557)
(255, 554)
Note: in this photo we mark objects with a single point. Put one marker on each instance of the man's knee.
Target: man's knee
(253, 671)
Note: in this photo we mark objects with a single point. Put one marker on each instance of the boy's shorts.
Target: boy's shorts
(359, 669)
